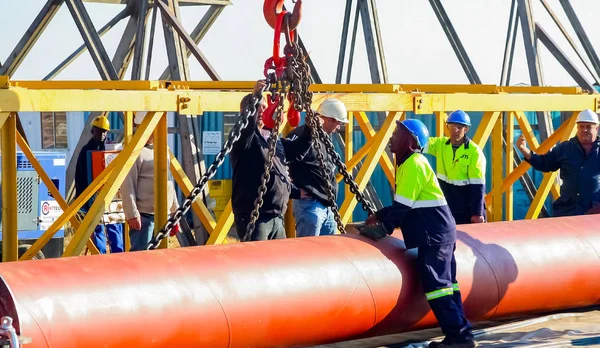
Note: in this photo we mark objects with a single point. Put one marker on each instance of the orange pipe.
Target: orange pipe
(294, 292)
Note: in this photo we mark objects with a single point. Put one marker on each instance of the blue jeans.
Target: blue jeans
(140, 238)
(115, 238)
(313, 218)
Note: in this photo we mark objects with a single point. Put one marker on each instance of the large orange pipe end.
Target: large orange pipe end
(295, 292)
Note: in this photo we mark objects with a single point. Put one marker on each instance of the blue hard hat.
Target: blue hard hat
(459, 117)
(418, 130)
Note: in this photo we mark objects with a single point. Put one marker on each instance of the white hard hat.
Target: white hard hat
(587, 116)
(335, 109)
(139, 117)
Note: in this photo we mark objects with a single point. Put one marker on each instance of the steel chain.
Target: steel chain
(234, 135)
(301, 79)
(272, 147)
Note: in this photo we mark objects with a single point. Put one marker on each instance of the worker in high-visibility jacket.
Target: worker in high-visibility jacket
(460, 170)
(421, 212)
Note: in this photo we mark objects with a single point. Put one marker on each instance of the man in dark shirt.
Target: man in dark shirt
(312, 210)
(100, 127)
(248, 158)
(578, 160)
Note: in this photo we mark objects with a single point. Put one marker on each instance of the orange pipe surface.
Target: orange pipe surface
(294, 292)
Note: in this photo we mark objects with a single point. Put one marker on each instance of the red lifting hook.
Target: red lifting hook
(272, 9)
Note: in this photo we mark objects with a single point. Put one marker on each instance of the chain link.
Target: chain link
(234, 135)
(272, 147)
(301, 83)
(296, 81)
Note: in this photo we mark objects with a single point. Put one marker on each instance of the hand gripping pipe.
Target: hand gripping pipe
(294, 292)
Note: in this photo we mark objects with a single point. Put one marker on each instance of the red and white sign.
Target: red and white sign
(50, 209)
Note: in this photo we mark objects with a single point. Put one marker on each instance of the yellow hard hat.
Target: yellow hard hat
(101, 122)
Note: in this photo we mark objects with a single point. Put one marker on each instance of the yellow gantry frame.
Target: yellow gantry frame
(502, 106)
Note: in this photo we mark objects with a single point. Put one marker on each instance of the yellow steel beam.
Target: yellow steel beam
(387, 128)
(3, 117)
(127, 134)
(249, 85)
(540, 196)
(223, 226)
(543, 148)
(487, 124)
(161, 176)
(50, 185)
(509, 156)
(386, 163)
(127, 127)
(440, 124)
(16, 99)
(99, 85)
(503, 102)
(540, 90)
(349, 150)
(10, 230)
(123, 161)
(526, 130)
(186, 187)
(497, 173)
(68, 214)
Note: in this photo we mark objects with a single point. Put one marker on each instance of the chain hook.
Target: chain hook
(273, 8)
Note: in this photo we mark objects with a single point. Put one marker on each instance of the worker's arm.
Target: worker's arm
(476, 174)
(247, 104)
(409, 183)
(434, 144)
(548, 162)
(297, 147)
(129, 190)
(545, 163)
(81, 172)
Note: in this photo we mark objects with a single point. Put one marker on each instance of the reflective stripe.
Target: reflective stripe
(430, 204)
(461, 182)
(404, 200)
(420, 204)
(439, 293)
(455, 287)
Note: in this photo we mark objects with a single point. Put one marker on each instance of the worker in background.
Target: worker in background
(579, 162)
(248, 158)
(312, 211)
(460, 170)
(137, 192)
(421, 212)
(114, 232)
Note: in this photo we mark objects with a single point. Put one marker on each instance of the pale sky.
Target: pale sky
(237, 45)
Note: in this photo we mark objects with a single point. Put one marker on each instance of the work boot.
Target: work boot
(436, 344)
(467, 344)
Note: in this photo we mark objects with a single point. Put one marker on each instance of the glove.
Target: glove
(374, 232)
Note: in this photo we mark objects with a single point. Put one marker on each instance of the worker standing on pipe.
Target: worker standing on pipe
(421, 211)
(248, 157)
(460, 170)
(114, 232)
(312, 210)
(579, 162)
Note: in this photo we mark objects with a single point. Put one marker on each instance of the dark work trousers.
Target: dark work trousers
(267, 227)
(437, 267)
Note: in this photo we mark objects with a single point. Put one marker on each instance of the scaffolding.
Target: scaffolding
(502, 106)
